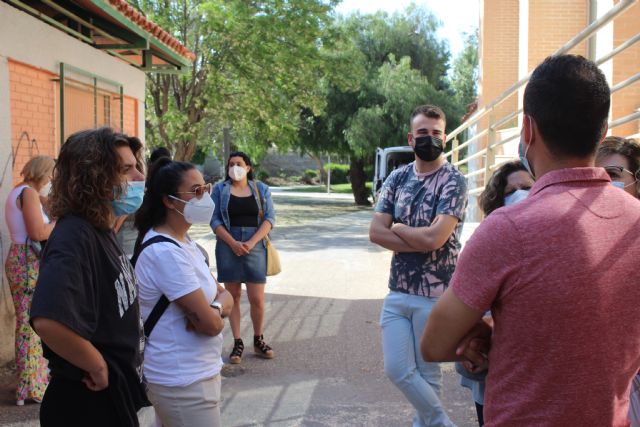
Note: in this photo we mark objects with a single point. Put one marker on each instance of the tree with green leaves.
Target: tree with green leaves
(404, 65)
(257, 65)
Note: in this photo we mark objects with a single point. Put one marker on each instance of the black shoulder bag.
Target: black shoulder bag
(162, 304)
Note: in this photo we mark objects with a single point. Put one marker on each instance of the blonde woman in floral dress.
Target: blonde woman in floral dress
(27, 220)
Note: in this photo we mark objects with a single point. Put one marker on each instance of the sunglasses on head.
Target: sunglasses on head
(198, 191)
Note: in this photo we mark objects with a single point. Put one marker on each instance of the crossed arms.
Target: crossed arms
(404, 238)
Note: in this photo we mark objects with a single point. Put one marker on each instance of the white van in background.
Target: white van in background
(387, 160)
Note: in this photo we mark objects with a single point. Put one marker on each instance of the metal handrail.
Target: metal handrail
(495, 124)
(581, 36)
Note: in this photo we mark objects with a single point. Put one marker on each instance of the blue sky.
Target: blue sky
(457, 16)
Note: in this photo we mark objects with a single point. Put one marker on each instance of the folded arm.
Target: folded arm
(429, 238)
(452, 325)
(380, 233)
(75, 350)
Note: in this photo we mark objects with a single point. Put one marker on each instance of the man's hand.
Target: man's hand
(97, 380)
(475, 345)
(239, 249)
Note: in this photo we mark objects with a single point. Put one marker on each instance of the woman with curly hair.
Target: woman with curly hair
(509, 184)
(27, 222)
(620, 157)
(85, 307)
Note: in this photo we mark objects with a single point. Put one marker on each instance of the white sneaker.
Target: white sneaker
(20, 402)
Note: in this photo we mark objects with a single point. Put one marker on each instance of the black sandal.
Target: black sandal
(236, 354)
(261, 348)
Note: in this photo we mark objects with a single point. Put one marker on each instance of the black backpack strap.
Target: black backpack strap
(162, 304)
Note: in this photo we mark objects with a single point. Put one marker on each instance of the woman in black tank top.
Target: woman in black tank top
(241, 255)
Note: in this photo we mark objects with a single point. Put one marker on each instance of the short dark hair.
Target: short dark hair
(492, 197)
(157, 153)
(247, 161)
(569, 98)
(626, 147)
(428, 111)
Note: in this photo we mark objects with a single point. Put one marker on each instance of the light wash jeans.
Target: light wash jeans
(402, 320)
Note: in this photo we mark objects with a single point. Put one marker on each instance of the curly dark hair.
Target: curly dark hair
(626, 147)
(246, 159)
(492, 197)
(164, 178)
(87, 175)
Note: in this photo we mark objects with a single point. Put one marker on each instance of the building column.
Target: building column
(523, 50)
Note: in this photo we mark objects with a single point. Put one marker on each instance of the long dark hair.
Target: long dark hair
(246, 159)
(87, 175)
(492, 197)
(163, 179)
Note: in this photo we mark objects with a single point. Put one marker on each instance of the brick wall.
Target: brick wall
(625, 65)
(34, 106)
(32, 103)
(552, 23)
(130, 112)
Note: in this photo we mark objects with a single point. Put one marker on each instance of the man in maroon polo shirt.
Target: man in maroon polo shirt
(559, 271)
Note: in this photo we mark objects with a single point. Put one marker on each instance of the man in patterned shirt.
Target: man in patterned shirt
(419, 217)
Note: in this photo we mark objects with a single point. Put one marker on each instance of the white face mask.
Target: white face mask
(237, 173)
(45, 190)
(198, 211)
(516, 197)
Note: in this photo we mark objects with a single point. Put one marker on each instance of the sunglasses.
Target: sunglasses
(199, 190)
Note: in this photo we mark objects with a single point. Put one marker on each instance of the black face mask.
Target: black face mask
(428, 148)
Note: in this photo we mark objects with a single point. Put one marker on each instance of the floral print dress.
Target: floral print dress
(21, 268)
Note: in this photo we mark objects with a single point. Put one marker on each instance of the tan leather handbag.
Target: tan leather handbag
(273, 258)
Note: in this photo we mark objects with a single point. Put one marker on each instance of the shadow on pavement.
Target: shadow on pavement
(328, 370)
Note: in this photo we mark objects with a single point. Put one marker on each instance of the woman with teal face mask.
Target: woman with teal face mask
(620, 157)
(85, 305)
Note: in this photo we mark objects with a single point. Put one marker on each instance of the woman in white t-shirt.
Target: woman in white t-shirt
(27, 221)
(182, 354)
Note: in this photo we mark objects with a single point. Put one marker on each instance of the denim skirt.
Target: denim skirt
(251, 268)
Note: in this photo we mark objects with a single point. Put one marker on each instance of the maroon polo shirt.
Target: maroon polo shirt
(559, 272)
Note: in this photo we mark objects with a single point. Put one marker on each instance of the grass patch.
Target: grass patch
(337, 188)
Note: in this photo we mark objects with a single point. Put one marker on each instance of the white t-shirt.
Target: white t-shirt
(173, 356)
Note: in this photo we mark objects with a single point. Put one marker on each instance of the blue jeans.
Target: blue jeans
(402, 320)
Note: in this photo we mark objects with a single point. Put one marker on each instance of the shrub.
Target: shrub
(339, 173)
(263, 175)
(310, 176)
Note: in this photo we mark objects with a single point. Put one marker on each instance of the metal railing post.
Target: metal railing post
(454, 150)
(490, 157)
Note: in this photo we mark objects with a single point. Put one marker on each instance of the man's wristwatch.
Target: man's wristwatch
(218, 306)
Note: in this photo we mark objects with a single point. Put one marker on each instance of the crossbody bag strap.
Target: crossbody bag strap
(162, 304)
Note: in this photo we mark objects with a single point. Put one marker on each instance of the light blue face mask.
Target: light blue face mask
(522, 151)
(516, 197)
(618, 184)
(130, 199)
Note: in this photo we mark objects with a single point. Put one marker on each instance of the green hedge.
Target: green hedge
(339, 173)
